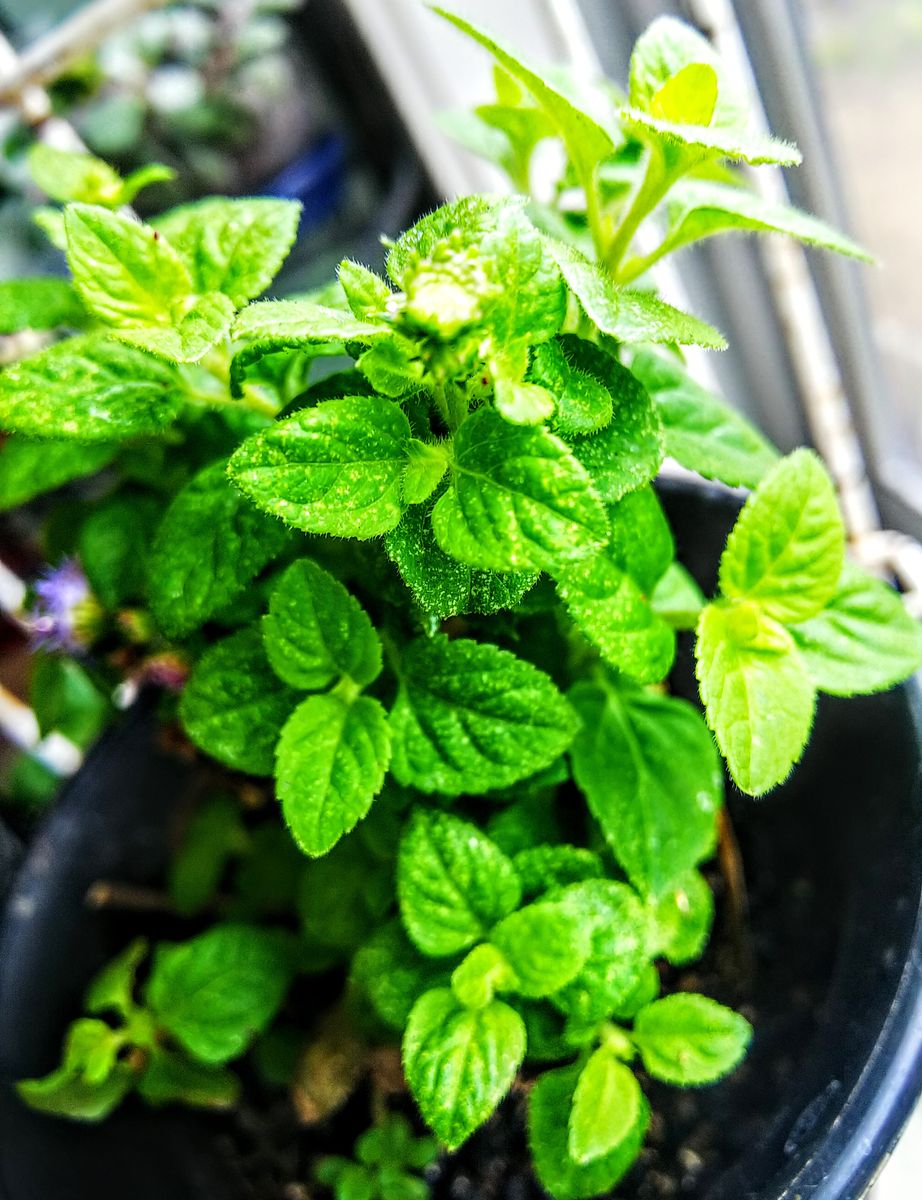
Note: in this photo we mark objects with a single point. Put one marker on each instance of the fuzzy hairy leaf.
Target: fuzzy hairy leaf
(316, 632)
(330, 764)
(626, 314)
(29, 468)
(216, 992)
(209, 545)
(549, 1141)
(66, 175)
(531, 302)
(652, 778)
(546, 944)
(126, 274)
(641, 540)
(581, 378)
(619, 952)
(758, 697)
(518, 499)
(616, 617)
(700, 208)
(586, 141)
(44, 303)
(787, 547)
(89, 388)
(690, 1040)
(234, 705)
(336, 468)
(442, 585)
(472, 717)
(193, 334)
(628, 452)
(471, 218)
(863, 641)
(608, 1107)
(460, 1062)
(367, 293)
(544, 866)
(232, 246)
(699, 430)
(453, 883)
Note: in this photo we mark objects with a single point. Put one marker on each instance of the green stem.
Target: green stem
(635, 267)
(655, 184)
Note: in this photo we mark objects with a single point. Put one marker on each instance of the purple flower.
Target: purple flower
(66, 615)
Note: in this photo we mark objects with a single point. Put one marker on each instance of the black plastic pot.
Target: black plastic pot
(834, 862)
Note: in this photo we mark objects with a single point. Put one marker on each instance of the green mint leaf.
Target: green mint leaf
(336, 468)
(136, 181)
(531, 302)
(66, 175)
(546, 944)
(209, 545)
(39, 304)
(330, 765)
(544, 866)
(628, 452)
(367, 293)
(88, 388)
(90, 1083)
(30, 468)
(453, 883)
(652, 778)
(316, 632)
(690, 1040)
(662, 52)
(125, 272)
(586, 141)
(343, 897)
(51, 222)
(787, 547)
(391, 366)
(681, 93)
(108, 545)
(483, 972)
(272, 325)
(170, 1077)
(519, 402)
(579, 376)
(863, 641)
(469, 219)
(441, 585)
(700, 208)
(518, 499)
(677, 598)
(216, 992)
(394, 974)
(234, 705)
(758, 697)
(641, 540)
(201, 327)
(616, 617)
(235, 247)
(608, 1107)
(460, 1062)
(214, 835)
(681, 920)
(112, 990)
(626, 314)
(700, 431)
(471, 717)
(619, 950)
(427, 463)
(549, 1140)
(65, 699)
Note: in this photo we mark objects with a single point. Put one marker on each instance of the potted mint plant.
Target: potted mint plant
(429, 603)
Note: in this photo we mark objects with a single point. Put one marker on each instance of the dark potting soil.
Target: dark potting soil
(776, 972)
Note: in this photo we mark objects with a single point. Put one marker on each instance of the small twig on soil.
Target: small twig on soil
(731, 867)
